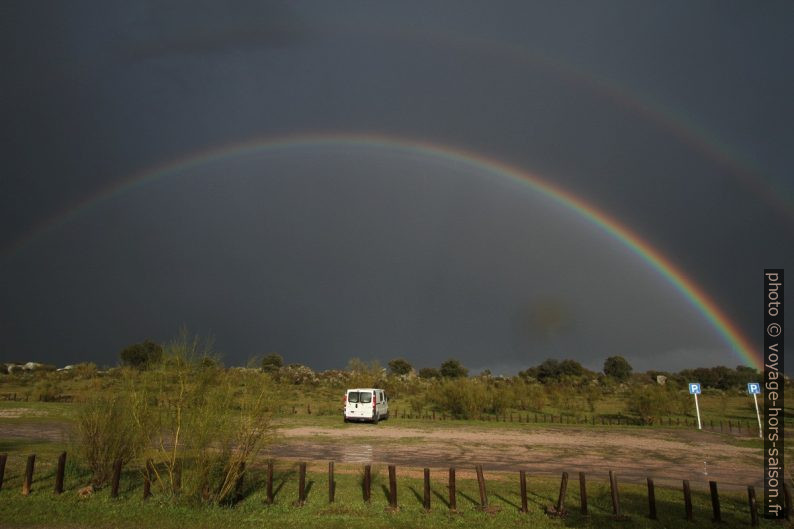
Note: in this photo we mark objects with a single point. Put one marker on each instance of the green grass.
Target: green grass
(44, 508)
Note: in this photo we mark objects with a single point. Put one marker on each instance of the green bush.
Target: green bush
(142, 355)
(461, 398)
(205, 424)
(106, 431)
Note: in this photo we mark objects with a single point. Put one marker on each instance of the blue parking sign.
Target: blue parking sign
(753, 388)
(694, 388)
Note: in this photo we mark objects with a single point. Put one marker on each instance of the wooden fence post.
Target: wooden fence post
(3, 458)
(270, 481)
(687, 500)
(426, 502)
(583, 493)
(28, 482)
(301, 484)
(59, 473)
(452, 492)
(715, 501)
(178, 475)
(560, 507)
(522, 479)
(481, 483)
(238, 486)
(651, 500)
(114, 483)
(147, 479)
(367, 482)
(613, 485)
(393, 486)
(753, 507)
(331, 482)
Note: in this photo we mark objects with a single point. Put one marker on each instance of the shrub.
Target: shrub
(429, 373)
(400, 366)
(46, 389)
(499, 399)
(106, 431)
(365, 374)
(463, 399)
(453, 369)
(617, 367)
(205, 423)
(272, 363)
(142, 355)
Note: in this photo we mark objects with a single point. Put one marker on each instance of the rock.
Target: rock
(85, 492)
(661, 380)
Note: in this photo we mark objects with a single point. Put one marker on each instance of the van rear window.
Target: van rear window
(364, 397)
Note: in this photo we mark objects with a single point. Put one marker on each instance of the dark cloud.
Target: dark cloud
(323, 255)
(198, 28)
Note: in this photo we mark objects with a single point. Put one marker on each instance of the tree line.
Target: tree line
(617, 368)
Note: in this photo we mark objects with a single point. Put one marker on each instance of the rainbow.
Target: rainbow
(674, 122)
(695, 295)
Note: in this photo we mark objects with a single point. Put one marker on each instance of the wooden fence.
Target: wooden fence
(557, 510)
(727, 426)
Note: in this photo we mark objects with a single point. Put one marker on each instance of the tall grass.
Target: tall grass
(197, 423)
(106, 432)
(201, 423)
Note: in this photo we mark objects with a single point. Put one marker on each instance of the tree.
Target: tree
(571, 368)
(617, 367)
(543, 372)
(400, 366)
(142, 355)
(272, 362)
(453, 369)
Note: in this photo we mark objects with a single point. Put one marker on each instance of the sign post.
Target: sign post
(694, 389)
(754, 389)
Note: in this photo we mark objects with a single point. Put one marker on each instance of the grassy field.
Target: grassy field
(322, 403)
(308, 417)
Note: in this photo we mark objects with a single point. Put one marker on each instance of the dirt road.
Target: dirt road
(635, 453)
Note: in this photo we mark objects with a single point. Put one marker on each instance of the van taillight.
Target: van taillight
(344, 399)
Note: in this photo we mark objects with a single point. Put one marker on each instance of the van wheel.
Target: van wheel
(345, 418)
(375, 420)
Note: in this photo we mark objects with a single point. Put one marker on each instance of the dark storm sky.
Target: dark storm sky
(672, 117)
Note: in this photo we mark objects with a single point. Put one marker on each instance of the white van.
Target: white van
(366, 404)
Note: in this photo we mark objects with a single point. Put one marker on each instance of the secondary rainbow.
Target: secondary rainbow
(695, 295)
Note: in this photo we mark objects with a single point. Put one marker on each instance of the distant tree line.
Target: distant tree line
(148, 353)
